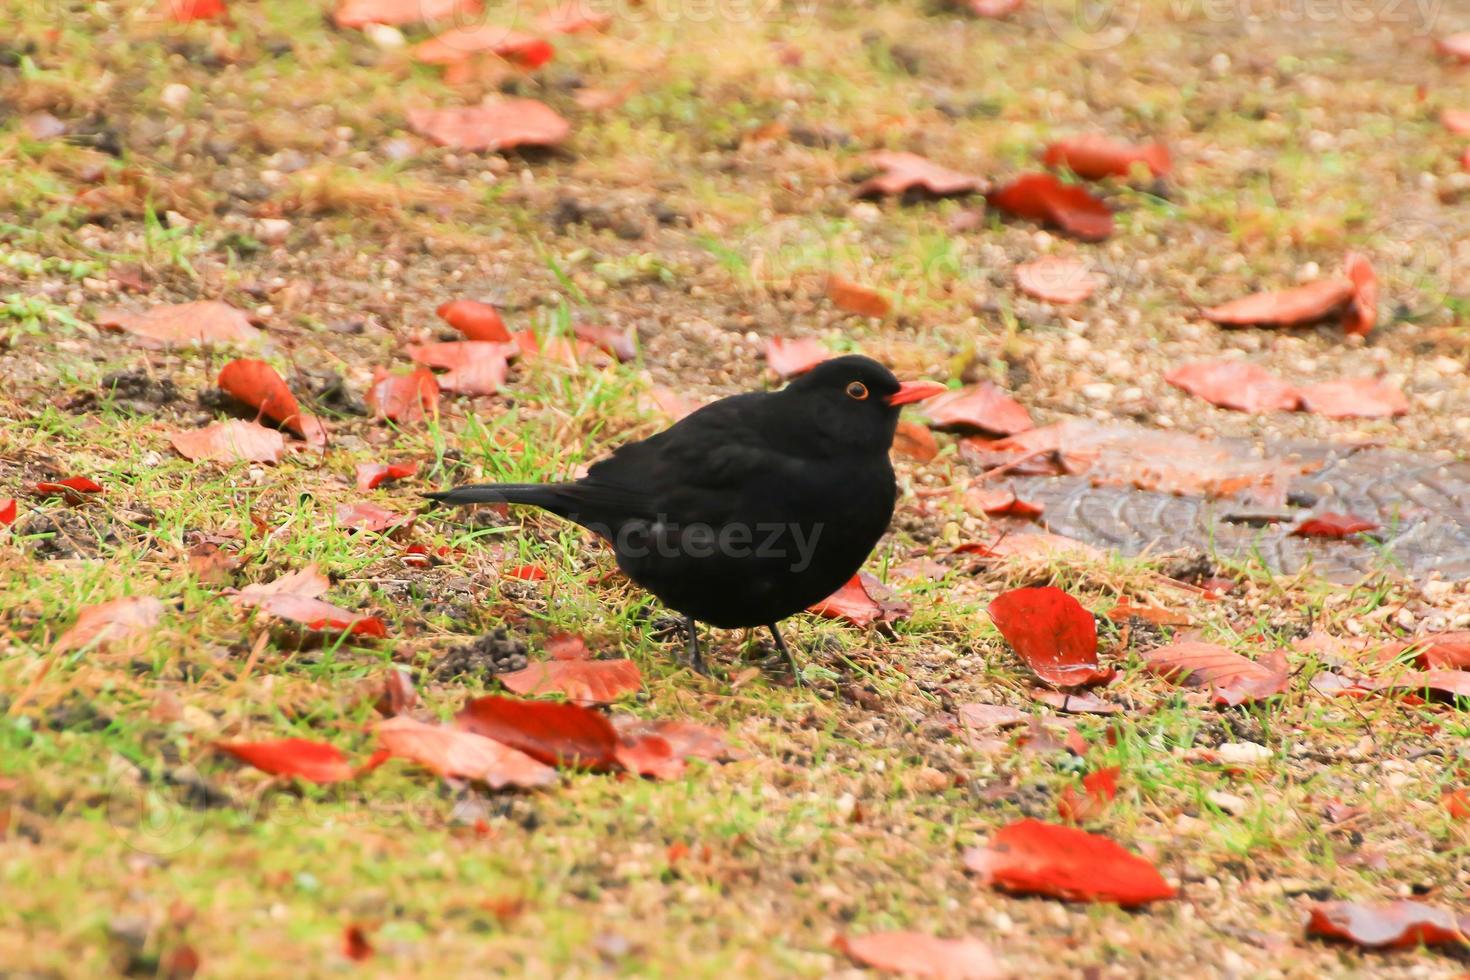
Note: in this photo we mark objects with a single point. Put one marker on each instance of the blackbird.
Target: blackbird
(749, 509)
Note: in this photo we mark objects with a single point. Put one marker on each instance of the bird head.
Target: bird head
(855, 402)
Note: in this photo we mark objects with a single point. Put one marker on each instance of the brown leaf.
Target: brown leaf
(475, 367)
(581, 681)
(180, 324)
(1232, 678)
(455, 753)
(231, 441)
(1354, 398)
(1042, 197)
(916, 954)
(1057, 279)
(1096, 157)
(789, 357)
(904, 172)
(1286, 307)
(978, 408)
(1239, 385)
(852, 298)
(113, 620)
(497, 126)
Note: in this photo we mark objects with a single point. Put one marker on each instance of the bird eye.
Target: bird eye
(857, 390)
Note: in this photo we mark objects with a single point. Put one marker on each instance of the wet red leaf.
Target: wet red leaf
(915, 441)
(789, 357)
(917, 954)
(461, 43)
(1285, 307)
(231, 441)
(1031, 857)
(1456, 46)
(903, 172)
(1362, 312)
(852, 298)
(1096, 157)
(1043, 197)
(1240, 385)
(565, 735)
(1329, 524)
(476, 320)
(1098, 792)
(111, 621)
(256, 383)
(371, 475)
(73, 488)
(1052, 634)
(1354, 398)
(316, 762)
(181, 324)
(1389, 925)
(369, 517)
(360, 13)
(574, 17)
(475, 367)
(1057, 279)
(456, 753)
(355, 945)
(862, 601)
(7, 511)
(1000, 502)
(581, 681)
(525, 573)
(979, 408)
(994, 8)
(406, 398)
(621, 344)
(496, 126)
(1233, 679)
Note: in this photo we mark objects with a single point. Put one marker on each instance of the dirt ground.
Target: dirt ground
(267, 161)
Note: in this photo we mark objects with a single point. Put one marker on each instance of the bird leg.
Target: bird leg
(790, 659)
(696, 659)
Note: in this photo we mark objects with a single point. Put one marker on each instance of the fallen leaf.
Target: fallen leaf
(456, 753)
(915, 441)
(1454, 683)
(1057, 279)
(563, 735)
(355, 944)
(187, 11)
(181, 324)
(573, 17)
(1285, 307)
(525, 573)
(686, 739)
(983, 717)
(475, 367)
(621, 344)
(1240, 385)
(1455, 46)
(1354, 398)
(978, 408)
(498, 125)
(1052, 634)
(1000, 502)
(1031, 857)
(111, 621)
(367, 516)
(1438, 651)
(789, 357)
(462, 43)
(1100, 788)
(1388, 925)
(316, 762)
(7, 511)
(74, 488)
(308, 581)
(994, 8)
(581, 681)
(476, 320)
(406, 398)
(1031, 544)
(651, 756)
(1043, 197)
(853, 298)
(567, 646)
(860, 602)
(293, 597)
(372, 475)
(903, 172)
(256, 383)
(1096, 157)
(1233, 679)
(1127, 609)
(1457, 802)
(1329, 524)
(231, 441)
(1362, 312)
(396, 693)
(916, 954)
(1076, 702)
(360, 13)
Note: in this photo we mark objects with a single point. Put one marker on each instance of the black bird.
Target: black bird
(749, 509)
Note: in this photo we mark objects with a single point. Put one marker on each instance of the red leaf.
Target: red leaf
(1057, 279)
(1457, 802)
(1455, 46)
(566, 735)
(994, 8)
(371, 475)
(1096, 157)
(1285, 307)
(1042, 197)
(1233, 679)
(180, 324)
(1362, 312)
(1354, 398)
(1391, 925)
(1441, 651)
(1031, 857)
(369, 517)
(916, 954)
(567, 646)
(110, 621)
(461, 43)
(686, 740)
(978, 408)
(185, 11)
(651, 756)
(476, 320)
(231, 441)
(476, 367)
(915, 441)
(455, 753)
(1100, 788)
(293, 597)
(496, 126)
(1000, 502)
(582, 681)
(1158, 615)
(360, 13)
(526, 573)
(1455, 683)
(406, 398)
(853, 298)
(7, 511)
(1052, 633)
(1239, 385)
(72, 488)
(862, 601)
(258, 385)
(355, 945)
(904, 172)
(1329, 524)
(790, 357)
(573, 17)
(315, 762)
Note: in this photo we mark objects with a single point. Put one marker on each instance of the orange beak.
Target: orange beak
(915, 391)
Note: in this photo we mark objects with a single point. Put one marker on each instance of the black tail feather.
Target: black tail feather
(545, 495)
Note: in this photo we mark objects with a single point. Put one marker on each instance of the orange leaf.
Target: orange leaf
(1362, 312)
(1052, 634)
(231, 441)
(903, 172)
(258, 385)
(371, 475)
(1031, 857)
(1391, 925)
(916, 954)
(497, 126)
(1096, 157)
(1349, 398)
(582, 681)
(1284, 307)
(179, 324)
(406, 398)
(1042, 197)
(1057, 279)
(315, 762)
(461, 43)
(476, 320)
(790, 357)
(978, 408)
(455, 753)
(1000, 502)
(475, 367)
(110, 621)
(915, 441)
(1233, 679)
(852, 298)
(1239, 385)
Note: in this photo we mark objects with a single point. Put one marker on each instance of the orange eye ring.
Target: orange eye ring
(857, 390)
